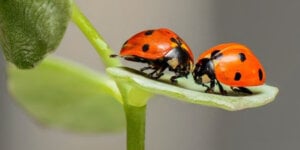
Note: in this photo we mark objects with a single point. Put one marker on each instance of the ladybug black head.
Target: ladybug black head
(204, 71)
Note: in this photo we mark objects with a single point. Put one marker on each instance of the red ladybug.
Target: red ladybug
(232, 64)
(160, 49)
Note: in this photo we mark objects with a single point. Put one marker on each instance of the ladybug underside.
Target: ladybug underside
(176, 60)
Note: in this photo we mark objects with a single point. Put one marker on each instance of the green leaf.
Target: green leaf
(29, 29)
(190, 92)
(60, 94)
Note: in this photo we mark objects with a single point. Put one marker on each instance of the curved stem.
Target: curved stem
(94, 37)
(135, 117)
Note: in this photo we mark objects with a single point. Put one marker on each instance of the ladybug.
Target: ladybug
(160, 49)
(232, 64)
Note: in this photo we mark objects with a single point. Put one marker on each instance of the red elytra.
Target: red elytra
(159, 44)
(232, 64)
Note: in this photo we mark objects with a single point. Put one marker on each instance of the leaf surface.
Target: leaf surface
(188, 91)
(29, 29)
(61, 94)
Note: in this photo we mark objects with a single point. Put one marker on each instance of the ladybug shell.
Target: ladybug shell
(153, 44)
(236, 65)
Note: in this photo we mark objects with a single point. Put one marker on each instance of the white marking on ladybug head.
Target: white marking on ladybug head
(205, 78)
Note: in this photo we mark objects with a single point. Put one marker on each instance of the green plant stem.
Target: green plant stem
(135, 117)
(94, 37)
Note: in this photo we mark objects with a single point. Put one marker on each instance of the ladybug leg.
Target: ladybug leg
(241, 90)
(210, 88)
(205, 85)
(158, 72)
(222, 91)
(178, 73)
(173, 78)
(151, 75)
(146, 68)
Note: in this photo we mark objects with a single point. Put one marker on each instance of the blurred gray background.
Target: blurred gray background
(270, 28)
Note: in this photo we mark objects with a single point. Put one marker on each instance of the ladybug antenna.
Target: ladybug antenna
(113, 55)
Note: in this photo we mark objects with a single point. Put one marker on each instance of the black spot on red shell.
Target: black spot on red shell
(237, 76)
(125, 43)
(216, 54)
(242, 57)
(176, 40)
(260, 74)
(145, 47)
(173, 40)
(149, 32)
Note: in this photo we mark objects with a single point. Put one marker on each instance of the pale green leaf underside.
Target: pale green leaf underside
(188, 91)
(60, 94)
